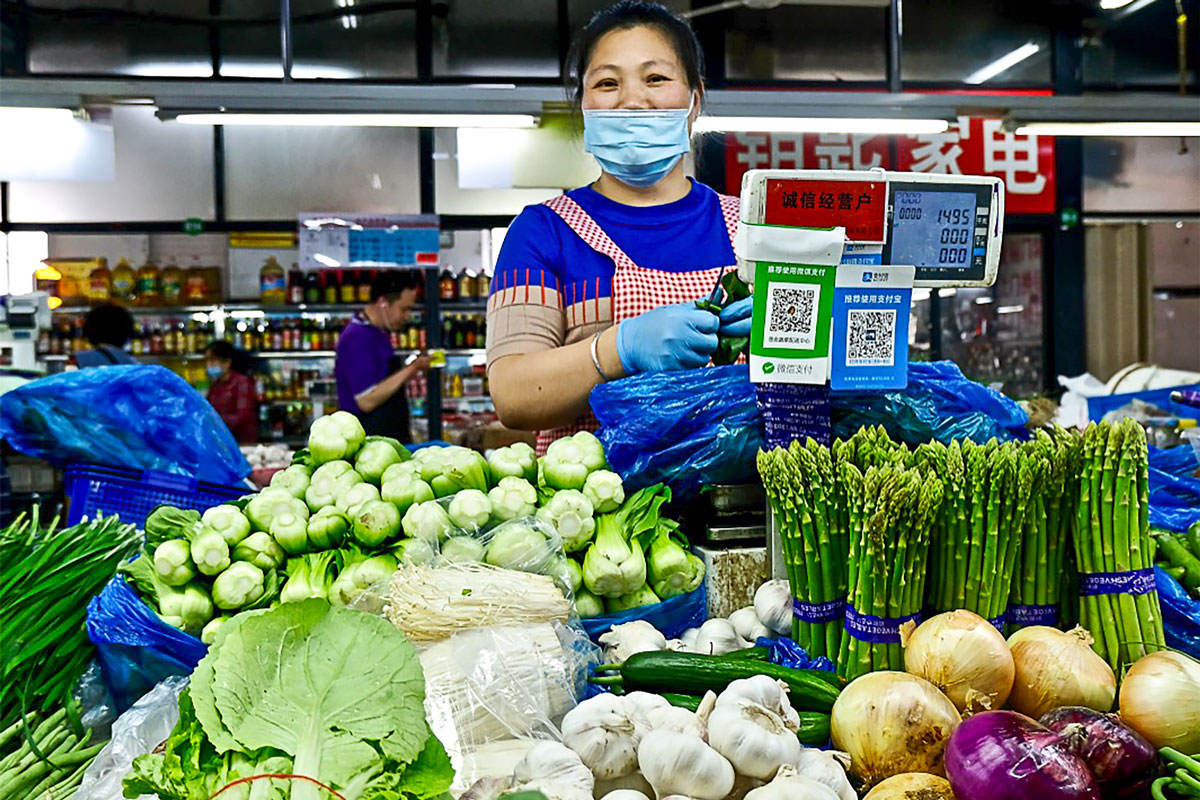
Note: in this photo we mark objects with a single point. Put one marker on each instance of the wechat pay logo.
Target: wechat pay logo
(768, 368)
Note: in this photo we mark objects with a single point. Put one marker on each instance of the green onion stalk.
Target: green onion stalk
(1113, 535)
(807, 503)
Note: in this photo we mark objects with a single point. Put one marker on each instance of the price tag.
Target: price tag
(870, 327)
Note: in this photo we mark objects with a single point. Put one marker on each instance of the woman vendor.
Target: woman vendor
(601, 282)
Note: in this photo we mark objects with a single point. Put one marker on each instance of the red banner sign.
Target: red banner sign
(860, 206)
(971, 146)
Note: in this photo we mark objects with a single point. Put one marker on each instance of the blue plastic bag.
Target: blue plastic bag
(1181, 614)
(137, 416)
(787, 653)
(680, 428)
(1174, 493)
(671, 617)
(136, 649)
(939, 403)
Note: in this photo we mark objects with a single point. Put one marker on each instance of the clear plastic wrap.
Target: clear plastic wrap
(138, 731)
(492, 692)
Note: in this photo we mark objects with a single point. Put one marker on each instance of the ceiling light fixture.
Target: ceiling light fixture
(1003, 63)
(1108, 129)
(820, 125)
(360, 120)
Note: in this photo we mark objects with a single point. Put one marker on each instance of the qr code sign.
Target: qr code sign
(871, 337)
(792, 315)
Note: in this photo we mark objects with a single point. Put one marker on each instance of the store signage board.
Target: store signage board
(871, 309)
(949, 227)
(340, 239)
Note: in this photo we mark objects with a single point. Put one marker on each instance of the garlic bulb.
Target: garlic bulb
(789, 785)
(633, 781)
(773, 605)
(688, 638)
(676, 763)
(765, 691)
(642, 703)
(716, 638)
(747, 624)
(753, 738)
(623, 640)
(625, 794)
(676, 646)
(822, 767)
(555, 771)
(602, 732)
(672, 718)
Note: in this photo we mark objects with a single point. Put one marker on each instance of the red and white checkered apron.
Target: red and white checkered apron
(635, 289)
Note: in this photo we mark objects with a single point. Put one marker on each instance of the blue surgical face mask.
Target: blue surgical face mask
(213, 372)
(638, 147)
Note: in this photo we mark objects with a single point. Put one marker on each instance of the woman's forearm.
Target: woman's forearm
(543, 390)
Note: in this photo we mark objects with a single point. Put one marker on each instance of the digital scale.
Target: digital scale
(947, 226)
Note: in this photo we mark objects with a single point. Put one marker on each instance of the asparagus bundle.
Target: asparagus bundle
(807, 503)
(979, 531)
(891, 510)
(1113, 549)
(1038, 583)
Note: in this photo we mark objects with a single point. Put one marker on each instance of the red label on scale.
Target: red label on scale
(859, 206)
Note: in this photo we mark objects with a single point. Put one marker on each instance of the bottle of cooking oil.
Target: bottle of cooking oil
(124, 282)
(172, 284)
(272, 283)
(149, 285)
(99, 285)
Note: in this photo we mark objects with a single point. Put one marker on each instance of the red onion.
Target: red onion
(1002, 755)
(1114, 753)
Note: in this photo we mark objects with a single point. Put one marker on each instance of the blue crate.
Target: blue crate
(1099, 406)
(100, 490)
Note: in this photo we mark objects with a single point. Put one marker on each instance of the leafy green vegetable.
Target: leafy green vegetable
(411, 467)
(470, 509)
(402, 489)
(261, 510)
(309, 575)
(519, 545)
(290, 530)
(569, 460)
(336, 436)
(604, 491)
(260, 550)
(574, 575)
(428, 521)
(450, 469)
(168, 522)
(239, 586)
(642, 596)
(327, 528)
(588, 605)
(377, 455)
(229, 521)
(339, 691)
(375, 521)
(512, 498)
(516, 461)
(210, 552)
(330, 481)
(570, 512)
(613, 566)
(357, 495)
(669, 571)
(294, 480)
(461, 549)
(173, 562)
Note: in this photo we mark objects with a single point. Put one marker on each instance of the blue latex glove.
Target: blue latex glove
(735, 317)
(679, 336)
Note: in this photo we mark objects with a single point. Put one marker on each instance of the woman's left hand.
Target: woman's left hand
(735, 318)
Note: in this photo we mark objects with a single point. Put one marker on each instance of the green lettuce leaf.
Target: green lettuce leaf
(330, 687)
(426, 778)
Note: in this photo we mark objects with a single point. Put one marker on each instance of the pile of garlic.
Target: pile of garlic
(739, 744)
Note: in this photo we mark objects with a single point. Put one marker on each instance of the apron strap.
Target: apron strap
(730, 209)
(588, 230)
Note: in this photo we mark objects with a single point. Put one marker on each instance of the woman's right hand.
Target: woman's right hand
(679, 336)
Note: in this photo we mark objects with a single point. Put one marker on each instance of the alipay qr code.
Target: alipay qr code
(870, 337)
(791, 315)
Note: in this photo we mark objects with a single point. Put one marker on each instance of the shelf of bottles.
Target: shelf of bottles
(290, 333)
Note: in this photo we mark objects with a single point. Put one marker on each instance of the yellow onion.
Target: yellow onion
(913, 786)
(892, 722)
(1056, 669)
(1160, 699)
(963, 655)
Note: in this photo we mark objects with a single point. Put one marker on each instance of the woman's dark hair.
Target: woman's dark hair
(627, 14)
(108, 324)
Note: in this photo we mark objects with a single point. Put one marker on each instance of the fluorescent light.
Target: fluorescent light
(1108, 129)
(1003, 63)
(364, 120)
(1112, 5)
(982, 301)
(920, 295)
(820, 125)
(20, 115)
(1010, 309)
(947, 292)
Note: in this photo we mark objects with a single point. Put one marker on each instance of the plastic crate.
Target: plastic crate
(1101, 405)
(95, 490)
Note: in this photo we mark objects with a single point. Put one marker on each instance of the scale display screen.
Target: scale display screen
(940, 229)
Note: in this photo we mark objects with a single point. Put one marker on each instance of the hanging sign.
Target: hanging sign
(870, 327)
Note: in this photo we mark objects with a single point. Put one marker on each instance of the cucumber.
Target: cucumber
(814, 726)
(750, 653)
(693, 673)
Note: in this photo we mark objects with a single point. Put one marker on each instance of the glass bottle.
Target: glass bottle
(349, 287)
(295, 285)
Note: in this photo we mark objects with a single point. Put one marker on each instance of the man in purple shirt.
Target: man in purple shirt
(370, 377)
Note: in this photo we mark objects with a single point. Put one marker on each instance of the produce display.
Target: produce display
(44, 756)
(1179, 555)
(47, 577)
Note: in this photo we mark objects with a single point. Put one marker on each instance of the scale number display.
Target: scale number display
(933, 229)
